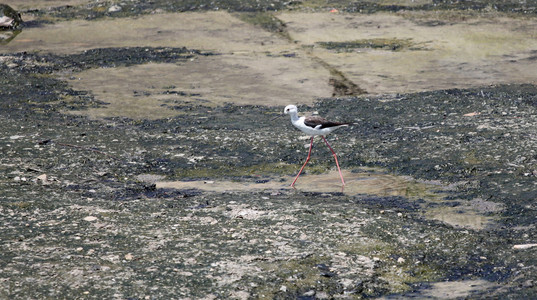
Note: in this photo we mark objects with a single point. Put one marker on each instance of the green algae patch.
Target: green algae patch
(394, 265)
(20, 205)
(297, 276)
(380, 44)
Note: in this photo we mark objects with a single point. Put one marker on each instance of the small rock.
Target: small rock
(114, 8)
(528, 283)
(283, 288)
(472, 114)
(90, 218)
(43, 179)
(309, 293)
(524, 246)
(128, 256)
(21, 179)
(400, 260)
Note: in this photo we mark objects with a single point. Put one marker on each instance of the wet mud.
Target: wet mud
(116, 185)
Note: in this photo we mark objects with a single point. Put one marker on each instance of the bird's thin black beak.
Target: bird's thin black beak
(276, 117)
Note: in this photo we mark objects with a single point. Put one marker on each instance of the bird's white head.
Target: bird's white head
(290, 109)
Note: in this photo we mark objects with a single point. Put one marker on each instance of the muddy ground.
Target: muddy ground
(140, 157)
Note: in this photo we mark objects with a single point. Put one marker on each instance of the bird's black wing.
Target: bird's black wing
(316, 121)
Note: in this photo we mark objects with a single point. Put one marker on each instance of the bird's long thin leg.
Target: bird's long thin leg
(335, 157)
(307, 159)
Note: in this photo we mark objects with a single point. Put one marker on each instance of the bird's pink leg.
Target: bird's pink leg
(335, 157)
(307, 159)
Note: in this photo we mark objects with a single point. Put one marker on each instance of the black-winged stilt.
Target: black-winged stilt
(313, 126)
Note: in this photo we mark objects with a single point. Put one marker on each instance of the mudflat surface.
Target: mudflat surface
(141, 158)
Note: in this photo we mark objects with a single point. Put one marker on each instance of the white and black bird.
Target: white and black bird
(314, 126)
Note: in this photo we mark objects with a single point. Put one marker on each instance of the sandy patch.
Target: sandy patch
(457, 289)
(464, 215)
(355, 183)
(262, 68)
(39, 4)
(474, 52)
(152, 91)
(209, 31)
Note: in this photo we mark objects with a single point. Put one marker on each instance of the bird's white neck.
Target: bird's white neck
(294, 116)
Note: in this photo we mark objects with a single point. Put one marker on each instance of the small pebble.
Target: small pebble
(524, 246)
(114, 8)
(90, 218)
(43, 178)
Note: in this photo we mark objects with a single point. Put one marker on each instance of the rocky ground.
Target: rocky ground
(137, 187)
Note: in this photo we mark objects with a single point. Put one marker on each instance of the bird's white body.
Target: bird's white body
(313, 126)
(317, 125)
(313, 131)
